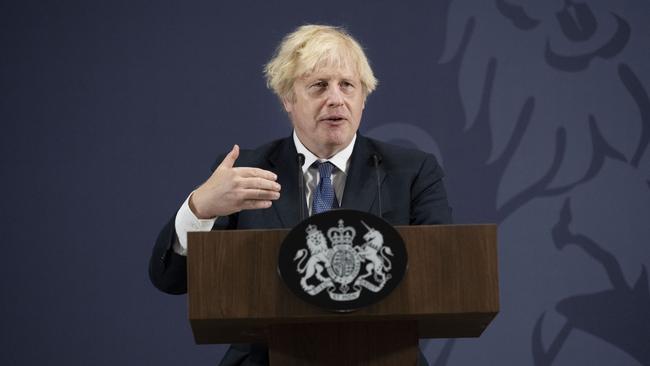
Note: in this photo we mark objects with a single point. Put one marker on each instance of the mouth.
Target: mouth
(333, 119)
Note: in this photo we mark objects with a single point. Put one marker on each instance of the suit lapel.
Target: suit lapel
(283, 161)
(361, 183)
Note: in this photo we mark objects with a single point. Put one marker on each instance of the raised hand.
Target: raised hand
(230, 190)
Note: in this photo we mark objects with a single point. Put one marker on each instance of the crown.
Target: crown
(342, 235)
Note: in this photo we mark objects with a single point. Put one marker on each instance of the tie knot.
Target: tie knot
(325, 169)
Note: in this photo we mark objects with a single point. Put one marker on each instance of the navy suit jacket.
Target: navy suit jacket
(412, 193)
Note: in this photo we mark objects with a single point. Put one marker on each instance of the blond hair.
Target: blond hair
(312, 46)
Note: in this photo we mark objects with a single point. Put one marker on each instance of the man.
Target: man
(322, 78)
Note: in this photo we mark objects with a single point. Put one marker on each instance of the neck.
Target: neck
(323, 151)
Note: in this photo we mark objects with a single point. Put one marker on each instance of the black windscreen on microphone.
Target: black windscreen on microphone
(376, 160)
(300, 159)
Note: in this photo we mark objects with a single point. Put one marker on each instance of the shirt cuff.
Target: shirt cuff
(187, 221)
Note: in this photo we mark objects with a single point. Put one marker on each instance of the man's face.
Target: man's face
(326, 110)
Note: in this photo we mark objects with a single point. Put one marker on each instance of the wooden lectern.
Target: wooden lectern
(236, 296)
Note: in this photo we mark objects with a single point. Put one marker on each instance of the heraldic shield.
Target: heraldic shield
(342, 260)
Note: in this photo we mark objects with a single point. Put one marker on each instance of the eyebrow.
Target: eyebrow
(312, 78)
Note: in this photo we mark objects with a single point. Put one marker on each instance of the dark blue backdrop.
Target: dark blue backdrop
(113, 111)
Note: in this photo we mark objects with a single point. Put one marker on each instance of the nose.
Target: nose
(334, 97)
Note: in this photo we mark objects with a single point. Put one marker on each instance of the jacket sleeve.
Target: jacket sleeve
(167, 269)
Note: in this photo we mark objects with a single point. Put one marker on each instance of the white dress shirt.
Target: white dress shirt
(187, 221)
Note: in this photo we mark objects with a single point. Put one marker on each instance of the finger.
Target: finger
(256, 172)
(259, 194)
(259, 183)
(230, 159)
(256, 205)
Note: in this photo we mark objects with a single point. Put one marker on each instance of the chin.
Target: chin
(337, 139)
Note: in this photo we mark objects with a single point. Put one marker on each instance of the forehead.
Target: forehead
(332, 70)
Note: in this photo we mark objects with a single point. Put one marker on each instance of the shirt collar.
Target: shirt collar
(340, 159)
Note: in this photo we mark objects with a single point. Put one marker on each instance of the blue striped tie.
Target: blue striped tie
(324, 197)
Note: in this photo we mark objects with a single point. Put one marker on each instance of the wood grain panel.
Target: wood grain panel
(235, 293)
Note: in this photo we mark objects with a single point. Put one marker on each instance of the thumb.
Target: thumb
(230, 159)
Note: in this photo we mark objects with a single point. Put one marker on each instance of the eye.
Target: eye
(347, 85)
(319, 84)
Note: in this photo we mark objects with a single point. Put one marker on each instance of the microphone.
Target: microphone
(300, 159)
(376, 160)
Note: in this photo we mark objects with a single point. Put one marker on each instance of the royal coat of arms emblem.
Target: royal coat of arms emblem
(332, 264)
(337, 268)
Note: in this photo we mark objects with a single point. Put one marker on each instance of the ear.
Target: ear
(288, 104)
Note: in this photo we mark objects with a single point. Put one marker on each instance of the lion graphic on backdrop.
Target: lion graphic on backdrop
(560, 88)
